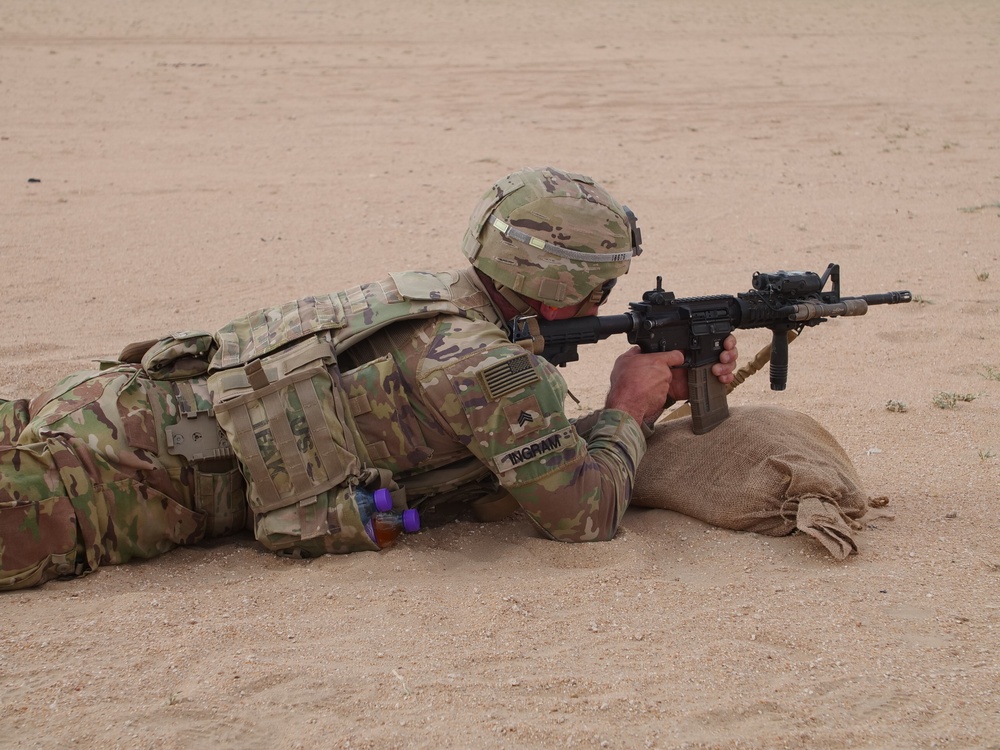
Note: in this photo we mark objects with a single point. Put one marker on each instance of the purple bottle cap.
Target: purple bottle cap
(411, 521)
(383, 500)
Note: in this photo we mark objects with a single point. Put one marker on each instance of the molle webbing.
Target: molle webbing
(289, 427)
(274, 398)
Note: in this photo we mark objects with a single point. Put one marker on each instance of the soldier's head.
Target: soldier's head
(555, 239)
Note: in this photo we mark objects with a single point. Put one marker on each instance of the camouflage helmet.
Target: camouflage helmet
(551, 236)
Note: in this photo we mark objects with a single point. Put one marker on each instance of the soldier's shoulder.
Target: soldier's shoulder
(455, 338)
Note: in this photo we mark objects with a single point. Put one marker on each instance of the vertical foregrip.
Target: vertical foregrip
(707, 397)
(779, 358)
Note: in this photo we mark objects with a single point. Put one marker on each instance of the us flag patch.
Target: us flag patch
(508, 376)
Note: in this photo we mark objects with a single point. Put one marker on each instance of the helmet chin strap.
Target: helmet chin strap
(515, 300)
(499, 294)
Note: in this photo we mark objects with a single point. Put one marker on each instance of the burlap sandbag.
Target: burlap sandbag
(765, 469)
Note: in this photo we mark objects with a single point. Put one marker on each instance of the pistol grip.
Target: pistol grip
(707, 397)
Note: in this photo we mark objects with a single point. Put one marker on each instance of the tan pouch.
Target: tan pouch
(220, 496)
(287, 419)
(179, 356)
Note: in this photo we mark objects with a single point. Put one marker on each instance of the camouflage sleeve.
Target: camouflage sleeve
(506, 406)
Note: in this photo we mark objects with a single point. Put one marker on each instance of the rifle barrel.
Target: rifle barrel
(889, 298)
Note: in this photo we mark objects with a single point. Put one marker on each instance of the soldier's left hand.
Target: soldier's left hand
(723, 370)
(727, 361)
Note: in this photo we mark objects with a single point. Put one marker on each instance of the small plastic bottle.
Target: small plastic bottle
(385, 528)
(370, 503)
(382, 523)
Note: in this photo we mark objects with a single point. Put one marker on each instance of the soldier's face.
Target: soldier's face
(587, 307)
(581, 310)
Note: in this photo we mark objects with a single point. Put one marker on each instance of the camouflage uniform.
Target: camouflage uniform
(460, 387)
(87, 477)
(86, 480)
(429, 397)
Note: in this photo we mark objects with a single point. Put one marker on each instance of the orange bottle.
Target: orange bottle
(385, 528)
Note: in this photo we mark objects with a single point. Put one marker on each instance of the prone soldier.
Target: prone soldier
(410, 383)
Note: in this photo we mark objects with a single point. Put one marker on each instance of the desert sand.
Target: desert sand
(167, 166)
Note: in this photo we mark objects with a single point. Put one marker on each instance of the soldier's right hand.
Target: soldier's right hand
(640, 383)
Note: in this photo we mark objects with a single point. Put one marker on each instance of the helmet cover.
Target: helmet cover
(551, 236)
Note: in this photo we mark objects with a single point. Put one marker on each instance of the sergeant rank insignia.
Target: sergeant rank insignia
(508, 376)
(524, 415)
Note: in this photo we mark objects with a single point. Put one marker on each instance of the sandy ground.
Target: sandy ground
(168, 165)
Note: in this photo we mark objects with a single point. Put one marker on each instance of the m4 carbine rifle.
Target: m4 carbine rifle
(783, 301)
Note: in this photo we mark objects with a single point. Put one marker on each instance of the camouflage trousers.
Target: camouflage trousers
(86, 479)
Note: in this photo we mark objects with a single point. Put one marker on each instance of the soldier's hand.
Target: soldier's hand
(723, 370)
(727, 361)
(641, 382)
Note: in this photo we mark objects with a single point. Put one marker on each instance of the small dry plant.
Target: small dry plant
(945, 400)
(980, 207)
